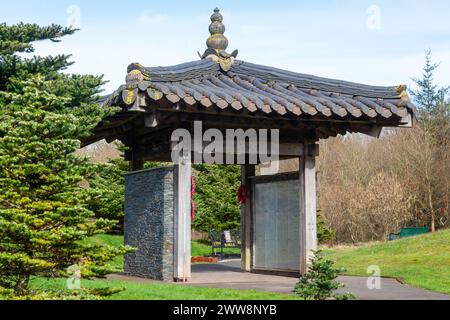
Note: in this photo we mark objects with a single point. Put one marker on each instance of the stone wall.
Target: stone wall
(149, 223)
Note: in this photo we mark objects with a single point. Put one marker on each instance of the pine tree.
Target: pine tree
(324, 233)
(107, 188)
(43, 216)
(434, 117)
(320, 283)
(18, 39)
(216, 199)
(429, 96)
(44, 219)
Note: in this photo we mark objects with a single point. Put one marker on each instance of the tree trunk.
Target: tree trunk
(428, 166)
(433, 222)
(21, 287)
(433, 213)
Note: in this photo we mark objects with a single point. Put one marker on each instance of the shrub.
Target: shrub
(324, 233)
(319, 283)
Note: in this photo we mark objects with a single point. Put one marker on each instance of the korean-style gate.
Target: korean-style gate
(221, 92)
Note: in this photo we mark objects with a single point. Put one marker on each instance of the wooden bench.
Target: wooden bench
(224, 240)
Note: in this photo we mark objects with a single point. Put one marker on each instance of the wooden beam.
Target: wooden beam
(285, 149)
(247, 171)
(291, 149)
(408, 121)
(182, 221)
(308, 207)
(160, 147)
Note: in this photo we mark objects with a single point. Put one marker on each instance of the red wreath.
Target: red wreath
(192, 198)
(243, 194)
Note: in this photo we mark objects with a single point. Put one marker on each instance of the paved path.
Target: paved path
(229, 275)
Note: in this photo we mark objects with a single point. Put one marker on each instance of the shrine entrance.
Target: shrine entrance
(277, 226)
(278, 220)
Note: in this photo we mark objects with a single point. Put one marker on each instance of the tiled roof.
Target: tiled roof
(245, 87)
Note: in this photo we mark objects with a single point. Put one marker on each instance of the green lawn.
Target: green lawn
(110, 240)
(136, 291)
(422, 261)
(200, 249)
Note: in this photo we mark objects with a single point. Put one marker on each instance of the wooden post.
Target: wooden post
(308, 206)
(247, 171)
(182, 221)
(136, 164)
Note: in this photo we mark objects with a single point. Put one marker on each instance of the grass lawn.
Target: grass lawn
(422, 261)
(200, 249)
(113, 241)
(136, 291)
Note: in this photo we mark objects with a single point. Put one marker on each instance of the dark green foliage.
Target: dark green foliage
(319, 283)
(18, 39)
(217, 206)
(324, 233)
(44, 217)
(43, 213)
(433, 103)
(429, 97)
(107, 190)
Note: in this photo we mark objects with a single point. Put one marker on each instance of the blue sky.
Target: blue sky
(374, 42)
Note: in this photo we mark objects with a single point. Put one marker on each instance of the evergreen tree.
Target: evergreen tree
(319, 283)
(43, 216)
(217, 205)
(17, 40)
(429, 96)
(324, 233)
(107, 190)
(44, 219)
(434, 122)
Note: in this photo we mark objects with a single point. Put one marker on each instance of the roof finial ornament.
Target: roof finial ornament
(217, 43)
